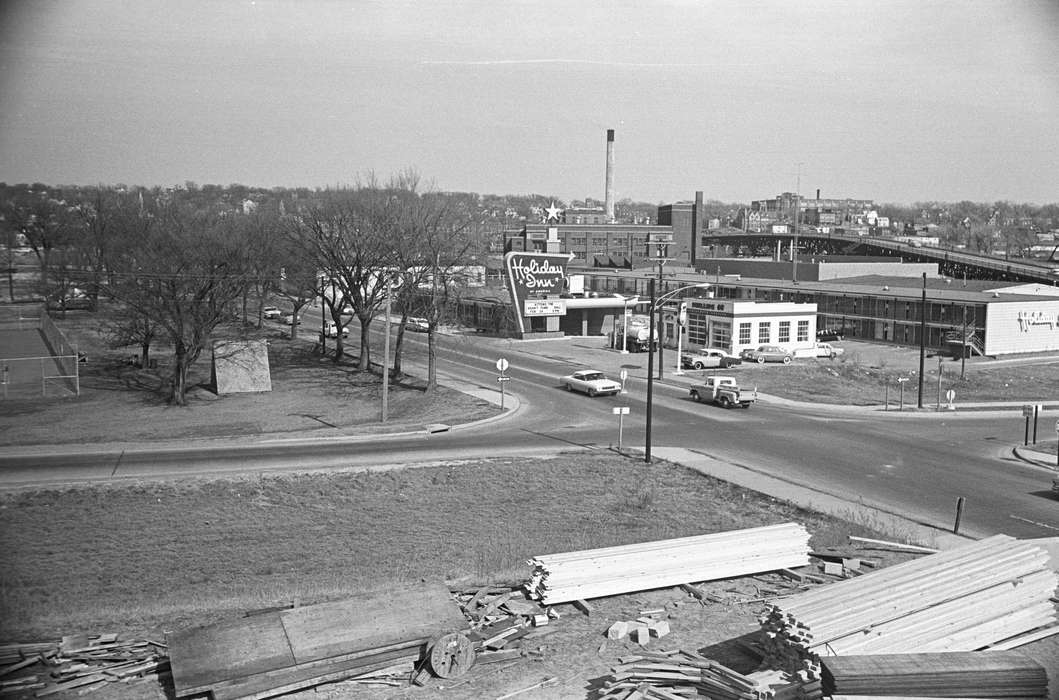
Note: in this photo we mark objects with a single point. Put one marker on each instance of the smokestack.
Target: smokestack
(609, 196)
(696, 224)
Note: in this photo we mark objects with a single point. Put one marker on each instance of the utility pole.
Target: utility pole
(650, 372)
(797, 222)
(922, 338)
(661, 328)
(386, 357)
(963, 344)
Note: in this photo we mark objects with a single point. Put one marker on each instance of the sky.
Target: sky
(898, 101)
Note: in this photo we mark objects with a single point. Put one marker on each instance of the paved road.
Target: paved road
(910, 464)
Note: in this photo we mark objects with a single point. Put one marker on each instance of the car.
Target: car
(271, 312)
(332, 330)
(291, 319)
(419, 325)
(590, 381)
(767, 353)
(827, 335)
(710, 357)
(827, 350)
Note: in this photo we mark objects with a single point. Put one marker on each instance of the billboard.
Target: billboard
(536, 276)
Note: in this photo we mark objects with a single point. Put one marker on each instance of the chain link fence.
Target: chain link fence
(26, 333)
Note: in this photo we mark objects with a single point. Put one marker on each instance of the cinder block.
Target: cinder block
(659, 628)
(641, 635)
(618, 630)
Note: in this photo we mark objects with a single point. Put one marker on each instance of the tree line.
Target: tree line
(172, 264)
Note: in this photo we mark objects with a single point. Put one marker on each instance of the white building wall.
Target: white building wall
(1021, 326)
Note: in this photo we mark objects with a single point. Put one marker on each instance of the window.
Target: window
(764, 329)
(785, 332)
(721, 333)
(803, 331)
(744, 334)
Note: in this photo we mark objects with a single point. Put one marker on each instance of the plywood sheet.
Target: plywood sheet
(205, 656)
(371, 620)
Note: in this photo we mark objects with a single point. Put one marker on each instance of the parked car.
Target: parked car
(710, 357)
(291, 319)
(825, 335)
(828, 350)
(590, 381)
(767, 353)
(332, 330)
(271, 312)
(419, 325)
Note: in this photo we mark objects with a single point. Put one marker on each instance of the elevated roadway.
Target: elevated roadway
(952, 263)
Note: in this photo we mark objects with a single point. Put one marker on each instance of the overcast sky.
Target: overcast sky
(896, 101)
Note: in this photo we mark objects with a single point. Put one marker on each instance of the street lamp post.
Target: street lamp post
(651, 356)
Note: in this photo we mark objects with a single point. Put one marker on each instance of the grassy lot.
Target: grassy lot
(145, 558)
(120, 402)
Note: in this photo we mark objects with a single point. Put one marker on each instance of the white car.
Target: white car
(271, 312)
(590, 381)
(827, 350)
(419, 325)
(332, 330)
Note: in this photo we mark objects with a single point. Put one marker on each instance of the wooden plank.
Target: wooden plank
(883, 544)
(290, 679)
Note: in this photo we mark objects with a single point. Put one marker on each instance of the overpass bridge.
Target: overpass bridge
(951, 263)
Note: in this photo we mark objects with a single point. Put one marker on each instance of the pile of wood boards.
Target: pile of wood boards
(666, 675)
(959, 600)
(500, 618)
(985, 674)
(80, 663)
(281, 651)
(561, 578)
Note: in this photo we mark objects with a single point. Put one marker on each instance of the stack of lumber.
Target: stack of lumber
(286, 650)
(80, 663)
(986, 674)
(666, 675)
(594, 573)
(960, 600)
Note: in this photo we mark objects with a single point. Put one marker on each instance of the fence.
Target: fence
(27, 373)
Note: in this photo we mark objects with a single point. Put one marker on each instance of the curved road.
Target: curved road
(915, 464)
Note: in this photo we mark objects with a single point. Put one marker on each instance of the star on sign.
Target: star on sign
(553, 212)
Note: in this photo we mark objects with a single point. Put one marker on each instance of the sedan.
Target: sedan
(710, 357)
(271, 312)
(767, 353)
(591, 382)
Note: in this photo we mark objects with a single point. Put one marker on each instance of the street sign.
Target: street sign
(502, 364)
(950, 395)
(502, 378)
(624, 374)
(620, 410)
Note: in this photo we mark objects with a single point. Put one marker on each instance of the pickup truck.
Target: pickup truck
(723, 391)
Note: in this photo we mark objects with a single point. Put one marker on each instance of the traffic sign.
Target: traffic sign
(950, 395)
(502, 378)
(624, 374)
(502, 364)
(620, 410)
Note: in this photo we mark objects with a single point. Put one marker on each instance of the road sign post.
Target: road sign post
(1027, 413)
(901, 381)
(620, 412)
(502, 365)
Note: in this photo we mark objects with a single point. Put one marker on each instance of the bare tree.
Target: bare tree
(351, 234)
(183, 270)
